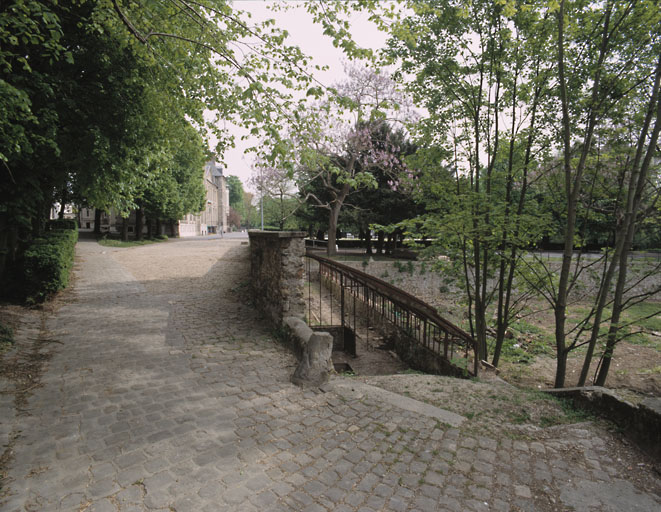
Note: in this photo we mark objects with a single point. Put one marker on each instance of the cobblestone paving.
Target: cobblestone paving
(166, 393)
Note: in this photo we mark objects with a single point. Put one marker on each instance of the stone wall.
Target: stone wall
(277, 272)
(640, 422)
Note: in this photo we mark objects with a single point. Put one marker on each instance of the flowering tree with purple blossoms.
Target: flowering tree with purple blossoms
(271, 179)
(338, 150)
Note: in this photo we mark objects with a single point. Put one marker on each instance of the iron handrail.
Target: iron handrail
(403, 299)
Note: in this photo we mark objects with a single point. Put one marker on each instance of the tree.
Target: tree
(478, 66)
(614, 51)
(337, 145)
(479, 70)
(93, 88)
(177, 188)
(237, 207)
(30, 38)
(636, 178)
(391, 201)
(276, 188)
(234, 219)
(235, 191)
(251, 214)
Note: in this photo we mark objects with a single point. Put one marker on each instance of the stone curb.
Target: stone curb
(354, 390)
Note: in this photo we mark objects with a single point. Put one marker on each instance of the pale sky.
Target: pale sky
(309, 37)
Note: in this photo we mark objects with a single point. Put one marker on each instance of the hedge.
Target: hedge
(58, 224)
(47, 263)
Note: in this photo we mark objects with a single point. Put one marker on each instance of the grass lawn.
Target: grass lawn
(111, 242)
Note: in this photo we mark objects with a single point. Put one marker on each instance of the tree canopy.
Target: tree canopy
(104, 102)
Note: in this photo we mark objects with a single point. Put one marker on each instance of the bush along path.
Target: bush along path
(166, 392)
(48, 261)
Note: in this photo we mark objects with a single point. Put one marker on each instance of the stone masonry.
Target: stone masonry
(276, 270)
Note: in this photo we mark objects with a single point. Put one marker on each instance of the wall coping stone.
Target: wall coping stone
(640, 422)
(276, 234)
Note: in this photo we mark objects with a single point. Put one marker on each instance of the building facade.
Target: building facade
(212, 220)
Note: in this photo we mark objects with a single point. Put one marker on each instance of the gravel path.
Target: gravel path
(159, 389)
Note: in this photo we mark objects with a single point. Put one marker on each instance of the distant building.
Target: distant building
(213, 219)
(108, 220)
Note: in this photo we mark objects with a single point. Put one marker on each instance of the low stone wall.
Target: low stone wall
(640, 422)
(277, 272)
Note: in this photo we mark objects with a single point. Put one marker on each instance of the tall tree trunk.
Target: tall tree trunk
(506, 288)
(379, 242)
(150, 228)
(97, 221)
(335, 209)
(502, 317)
(125, 229)
(368, 240)
(4, 244)
(639, 179)
(573, 181)
(331, 250)
(139, 223)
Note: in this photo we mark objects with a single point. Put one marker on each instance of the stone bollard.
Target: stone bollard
(315, 349)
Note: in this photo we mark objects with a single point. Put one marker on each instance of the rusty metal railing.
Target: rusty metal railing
(417, 320)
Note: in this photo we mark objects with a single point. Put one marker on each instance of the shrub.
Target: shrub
(47, 264)
(59, 224)
(161, 237)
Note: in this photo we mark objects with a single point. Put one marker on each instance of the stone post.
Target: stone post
(277, 271)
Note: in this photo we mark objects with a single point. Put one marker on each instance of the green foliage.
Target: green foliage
(47, 264)
(407, 267)
(569, 412)
(278, 213)
(646, 315)
(410, 371)
(235, 191)
(58, 224)
(110, 242)
(103, 104)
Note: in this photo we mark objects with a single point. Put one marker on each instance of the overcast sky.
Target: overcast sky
(309, 37)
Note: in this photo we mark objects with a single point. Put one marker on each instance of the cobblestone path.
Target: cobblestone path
(165, 392)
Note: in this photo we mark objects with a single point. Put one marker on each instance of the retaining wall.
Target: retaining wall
(277, 273)
(640, 422)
